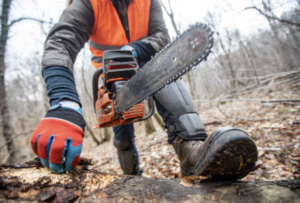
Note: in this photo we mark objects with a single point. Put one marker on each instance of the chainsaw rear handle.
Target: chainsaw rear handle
(95, 85)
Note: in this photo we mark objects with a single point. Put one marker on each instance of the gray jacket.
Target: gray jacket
(68, 36)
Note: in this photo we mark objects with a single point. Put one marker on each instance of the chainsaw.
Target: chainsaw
(118, 100)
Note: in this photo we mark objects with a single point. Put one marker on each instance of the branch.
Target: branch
(240, 118)
(250, 99)
(88, 127)
(16, 137)
(273, 17)
(6, 158)
(171, 15)
(212, 123)
(268, 148)
(26, 18)
(157, 141)
(164, 7)
(170, 7)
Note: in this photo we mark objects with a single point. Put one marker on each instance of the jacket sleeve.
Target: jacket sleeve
(68, 36)
(158, 36)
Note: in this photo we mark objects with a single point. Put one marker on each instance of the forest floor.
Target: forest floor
(275, 128)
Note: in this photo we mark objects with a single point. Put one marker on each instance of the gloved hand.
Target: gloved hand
(127, 47)
(57, 140)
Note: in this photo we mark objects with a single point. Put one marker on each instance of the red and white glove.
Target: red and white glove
(57, 139)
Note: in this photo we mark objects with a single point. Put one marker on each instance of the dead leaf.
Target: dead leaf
(295, 153)
(280, 158)
(180, 175)
(291, 134)
(294, 162)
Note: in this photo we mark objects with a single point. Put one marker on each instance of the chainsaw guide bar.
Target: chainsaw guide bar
(174, 60)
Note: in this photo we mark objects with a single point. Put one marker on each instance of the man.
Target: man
(136, 25)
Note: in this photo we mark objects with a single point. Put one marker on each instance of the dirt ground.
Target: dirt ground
(275, 127)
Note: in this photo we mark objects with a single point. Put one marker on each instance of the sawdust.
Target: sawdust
(188, 181)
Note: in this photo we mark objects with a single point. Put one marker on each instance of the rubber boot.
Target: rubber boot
(227, 154)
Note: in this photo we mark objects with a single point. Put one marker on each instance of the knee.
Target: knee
(121, 144)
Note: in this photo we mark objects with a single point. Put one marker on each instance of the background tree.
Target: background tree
(176, 24)
(5, 119)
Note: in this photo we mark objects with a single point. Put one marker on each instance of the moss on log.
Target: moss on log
(31, 182)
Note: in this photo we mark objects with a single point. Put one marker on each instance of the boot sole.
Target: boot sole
(230, 155)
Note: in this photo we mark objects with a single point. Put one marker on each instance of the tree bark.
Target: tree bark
(90, 130)
(159, 120)
(149, 127)
(107, 134)
(5, 120)
(32, 182)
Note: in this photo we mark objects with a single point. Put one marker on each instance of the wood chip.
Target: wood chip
(186, 182)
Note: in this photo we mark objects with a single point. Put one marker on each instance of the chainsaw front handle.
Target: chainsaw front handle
(151, 109)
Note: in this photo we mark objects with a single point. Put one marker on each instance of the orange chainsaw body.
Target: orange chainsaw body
(118, 67)
(106, 115)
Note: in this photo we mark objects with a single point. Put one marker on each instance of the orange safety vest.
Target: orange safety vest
(108, 32)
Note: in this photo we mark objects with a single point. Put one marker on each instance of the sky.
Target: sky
(26, 38)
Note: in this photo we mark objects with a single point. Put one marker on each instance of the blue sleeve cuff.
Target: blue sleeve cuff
(60, 84)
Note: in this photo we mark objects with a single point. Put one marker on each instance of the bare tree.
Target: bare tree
(5, 123)
(149, 127)
(4, 111)
(177, 28)
(245, 51)
(268, 13)
(170, 13)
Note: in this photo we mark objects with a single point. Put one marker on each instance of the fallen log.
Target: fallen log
(31, 182)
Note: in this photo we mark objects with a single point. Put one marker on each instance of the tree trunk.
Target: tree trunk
(159, 120)
(177, 31)
(149, 127)
(107, 134)
(253, 65)
(32, 182)
(90, 130)
(192, 88)
(282, 49)
(227, 55)
(5, 120)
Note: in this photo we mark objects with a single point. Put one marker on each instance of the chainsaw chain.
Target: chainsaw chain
(181, 73)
